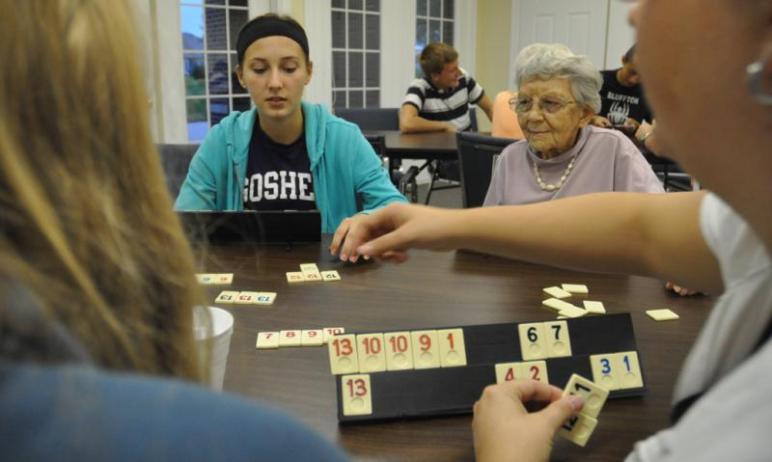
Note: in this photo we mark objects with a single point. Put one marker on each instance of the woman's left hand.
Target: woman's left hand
(505, 431)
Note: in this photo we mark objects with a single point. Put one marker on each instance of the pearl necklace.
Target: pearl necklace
(549, 186)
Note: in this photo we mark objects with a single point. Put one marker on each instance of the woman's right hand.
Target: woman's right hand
(505, 431)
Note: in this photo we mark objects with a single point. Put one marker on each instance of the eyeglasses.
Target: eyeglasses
(547, 106)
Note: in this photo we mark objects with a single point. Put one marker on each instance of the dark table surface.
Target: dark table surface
(431, 290)
(429, 146)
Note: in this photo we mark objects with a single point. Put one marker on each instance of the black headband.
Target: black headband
(268, 26)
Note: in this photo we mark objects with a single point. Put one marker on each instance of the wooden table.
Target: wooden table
(430, 290)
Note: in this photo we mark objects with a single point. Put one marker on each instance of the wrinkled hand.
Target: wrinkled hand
(505, 431)
(682, 291)
(600, 121)
(388, 233)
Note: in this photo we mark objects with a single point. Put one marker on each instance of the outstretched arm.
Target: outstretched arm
(647, 234)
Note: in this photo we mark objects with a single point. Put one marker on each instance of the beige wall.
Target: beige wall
(493, 43)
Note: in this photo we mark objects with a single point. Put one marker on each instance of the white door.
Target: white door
(579, 24)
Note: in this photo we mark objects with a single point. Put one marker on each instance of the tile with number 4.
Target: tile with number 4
(507, 372)
(356, 394)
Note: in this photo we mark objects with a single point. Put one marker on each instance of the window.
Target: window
(209, 32)
(356, 53)
(434, 23)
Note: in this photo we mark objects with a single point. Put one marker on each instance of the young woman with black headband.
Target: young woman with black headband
(284, 153)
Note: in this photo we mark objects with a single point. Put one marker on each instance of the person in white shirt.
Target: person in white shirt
(718, 242)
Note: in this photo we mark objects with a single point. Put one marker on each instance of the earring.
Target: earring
(759, 89)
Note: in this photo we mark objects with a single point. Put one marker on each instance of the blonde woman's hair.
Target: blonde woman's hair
(87, 223)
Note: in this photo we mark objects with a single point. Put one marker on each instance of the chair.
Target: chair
(371, 118)
(477, 158)
(175, 160)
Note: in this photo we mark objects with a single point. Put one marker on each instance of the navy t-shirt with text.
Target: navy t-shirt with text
(278, 175)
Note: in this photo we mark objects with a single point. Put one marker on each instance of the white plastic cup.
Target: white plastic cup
(218, 339)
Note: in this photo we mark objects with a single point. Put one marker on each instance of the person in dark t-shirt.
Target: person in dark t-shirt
(623, 102)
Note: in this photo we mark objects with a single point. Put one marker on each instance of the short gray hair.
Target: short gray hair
(546, 61)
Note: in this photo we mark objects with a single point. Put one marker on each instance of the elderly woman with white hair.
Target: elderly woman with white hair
(562, 154)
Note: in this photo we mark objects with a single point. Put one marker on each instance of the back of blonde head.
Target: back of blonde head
(87, 223)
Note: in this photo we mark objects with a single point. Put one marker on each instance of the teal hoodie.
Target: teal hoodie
(343, 164)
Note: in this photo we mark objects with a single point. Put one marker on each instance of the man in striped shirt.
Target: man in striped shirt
(440, 100)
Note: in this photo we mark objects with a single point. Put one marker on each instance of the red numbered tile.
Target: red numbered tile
(223, 278)
(328, 276)
(426, 352)
(399, 351)
(246, 298)
(330, 331)
(295, 276)
(507, 372)
(265, 298)
(312, 276)
(312, 337)
(343, 354)
(452, 347)
(372, 355)
(290, 338)
(227, 296)
(533, 344)
(628, 370)
(557, 339)
(578, 429)
(356, 394)
(594, 395)
(266, 340)
(534, 370)
(605, 371)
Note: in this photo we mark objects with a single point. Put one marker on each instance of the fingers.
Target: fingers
(339, 236)
(561, 410)
(387, 246)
